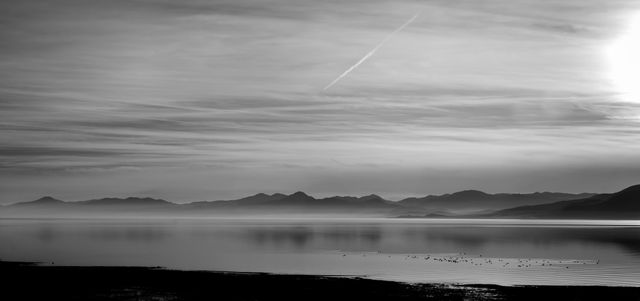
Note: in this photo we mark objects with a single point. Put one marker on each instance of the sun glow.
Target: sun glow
(624, 60)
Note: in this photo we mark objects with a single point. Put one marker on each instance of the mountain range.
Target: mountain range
(474, 200)
(624, 204)
(465, 204)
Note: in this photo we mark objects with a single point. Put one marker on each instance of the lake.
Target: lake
(506, 252)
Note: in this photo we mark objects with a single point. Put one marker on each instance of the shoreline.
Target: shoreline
(33, 281)
(344, 218)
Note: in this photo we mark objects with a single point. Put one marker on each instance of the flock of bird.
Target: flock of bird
(463, 258)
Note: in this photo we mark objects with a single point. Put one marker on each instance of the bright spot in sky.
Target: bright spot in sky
(624, 60)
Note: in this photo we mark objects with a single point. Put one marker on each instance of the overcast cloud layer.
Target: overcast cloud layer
(217, 99)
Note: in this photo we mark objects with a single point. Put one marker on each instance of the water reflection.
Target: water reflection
(398, 238)
(46, 234)
(298, 237)
(317, 247)
(438, 238)
(133, 234)
(301, 237)
(544, 237)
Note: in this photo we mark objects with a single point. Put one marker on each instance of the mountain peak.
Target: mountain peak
(628, 196)
(259, 198)
(469, 193)
(371, 197)
(47, 199)
(634, 188)
(125, 201)
(297, 198)
(299, 194)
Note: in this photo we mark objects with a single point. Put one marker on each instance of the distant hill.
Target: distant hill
(260, 198)
(298, 202)
(43, 201)
(474, 200)
(624, 204)
(49, 206)
(467, 203)
(301, 202)
(130, 201)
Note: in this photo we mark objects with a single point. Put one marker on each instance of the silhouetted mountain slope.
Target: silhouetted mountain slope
(48, 206)
(255, 201)
(627, 199)
(296, 199)
(474, 200)
(130, 201)
(301, 200)
(43, 201)
(260, 198)
(560, 205)
(369, 201)
(619, 205)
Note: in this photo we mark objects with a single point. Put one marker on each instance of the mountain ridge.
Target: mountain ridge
(621, 204)
(485, 205)
(478, 200)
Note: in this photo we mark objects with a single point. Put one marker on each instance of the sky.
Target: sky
(218, 99)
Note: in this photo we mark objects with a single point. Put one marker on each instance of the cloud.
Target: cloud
(225, 94)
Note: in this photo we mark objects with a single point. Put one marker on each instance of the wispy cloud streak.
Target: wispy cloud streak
(219, 99)
(370, 53)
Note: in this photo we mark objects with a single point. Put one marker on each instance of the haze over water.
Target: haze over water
(507, 252)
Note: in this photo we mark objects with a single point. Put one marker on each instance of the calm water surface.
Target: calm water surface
(506, 252)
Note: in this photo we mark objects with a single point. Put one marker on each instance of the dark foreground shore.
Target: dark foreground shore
(27, 281)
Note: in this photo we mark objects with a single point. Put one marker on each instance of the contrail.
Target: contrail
(370, 53)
